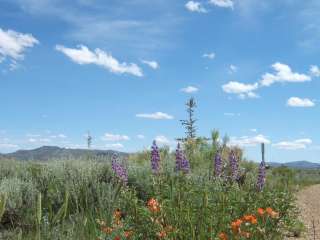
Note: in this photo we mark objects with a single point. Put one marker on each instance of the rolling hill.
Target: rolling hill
(297, 164)
(46, 153)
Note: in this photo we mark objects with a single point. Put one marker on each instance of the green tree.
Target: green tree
(189, 123)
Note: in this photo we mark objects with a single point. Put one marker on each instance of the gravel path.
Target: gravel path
(308, 201)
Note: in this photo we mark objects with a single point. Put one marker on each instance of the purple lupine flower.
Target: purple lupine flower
(155, 158)
(185, 166)
(179, 158)
(119, 170)
(234, 165)
(218, 164)
(261, 176)
(182, 163)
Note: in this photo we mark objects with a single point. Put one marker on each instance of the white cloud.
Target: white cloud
(222, 3)
(300, 102)
(246, 141)
(62, 135)
(115, 137)
(294, 145)
(162, 140)
(39, 140)
(189, 89)
(193, 6)
(315, 71)
(13, 46)
(253, 130)
(156, 116)
(114, 146)
(283, 73)
(209, 55)
(229, 114)
(82, 55)
(140, 136)
(8, 145)
(33, 135)
(59, 136)
(152, 64)
(241, 89)
(233, 69)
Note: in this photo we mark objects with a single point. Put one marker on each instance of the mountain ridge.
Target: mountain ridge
(296, 164)
(46, 153)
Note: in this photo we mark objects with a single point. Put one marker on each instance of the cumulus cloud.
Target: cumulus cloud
(193, 6)
(283, 73)
(247, 141)
(14, 44)
(162, 140)
(140, 136)
(39, 140)
(300, 102)
(62, 136)
(155, 116)
(115, 137)
(189, 89)
(294, 145)
(209, 55)
(8, 146)
(315, 71)
(152, 64)
(241, 89)
(82, 55)
(222, 3)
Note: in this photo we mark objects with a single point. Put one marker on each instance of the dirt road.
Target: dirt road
(308, 201)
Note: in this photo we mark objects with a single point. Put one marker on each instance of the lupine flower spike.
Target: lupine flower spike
(182, 163)
(155, 158)
(234, 165)
(119, 170)
(185, 166)
(262, 176)
(218, 164)
(179, 157)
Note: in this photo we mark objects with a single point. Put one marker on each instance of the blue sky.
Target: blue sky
(124, 69)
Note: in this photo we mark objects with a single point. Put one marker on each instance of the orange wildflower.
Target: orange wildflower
(153, 205)
(269, 210)
(162, 234)
(117, 238)
(250, 218)
(236, 225)
(128, 234)
(274, 214)
(223, 236)
(107, 230)
(261, 211)
(254, 220)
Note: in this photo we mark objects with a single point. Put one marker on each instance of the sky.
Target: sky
(123, 70)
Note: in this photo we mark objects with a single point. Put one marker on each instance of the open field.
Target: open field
(127, 200)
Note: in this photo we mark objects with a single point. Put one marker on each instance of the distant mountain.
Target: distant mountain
(297, 164)
(46, 153)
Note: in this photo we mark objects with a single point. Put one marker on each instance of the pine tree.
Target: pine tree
(89, 140)
(189, 124)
